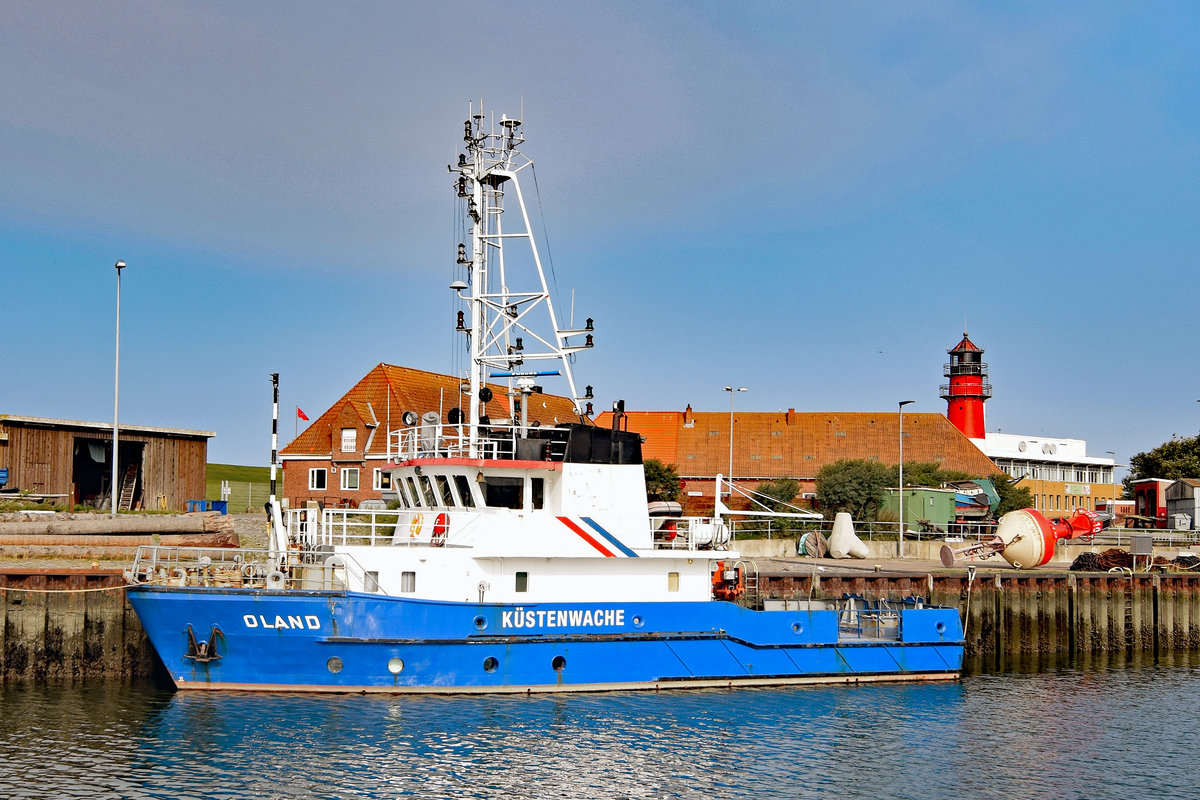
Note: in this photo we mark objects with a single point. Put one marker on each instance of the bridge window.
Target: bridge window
(538, 492)
(444, 490)
(464, 490)
(427, 490)
(414, 495)
(501, 492)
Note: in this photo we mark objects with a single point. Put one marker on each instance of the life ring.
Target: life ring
(441, 526)
(414, 527)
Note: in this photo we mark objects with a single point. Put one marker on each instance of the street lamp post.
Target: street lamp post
(729, 477)
(120, 265)
(900, 545)
(1112, 505)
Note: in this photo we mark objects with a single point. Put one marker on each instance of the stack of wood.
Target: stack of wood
(25, 534)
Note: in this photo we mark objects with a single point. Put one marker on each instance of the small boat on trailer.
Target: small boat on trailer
(523, 557)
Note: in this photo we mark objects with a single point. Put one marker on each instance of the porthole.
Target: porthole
(490, 664)
(558, 664)
(334, 665)
(941, 627)
(638, 621)
(480, 623)
(395, 665)
(797, 628)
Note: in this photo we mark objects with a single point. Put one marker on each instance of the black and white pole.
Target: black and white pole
(274, 435)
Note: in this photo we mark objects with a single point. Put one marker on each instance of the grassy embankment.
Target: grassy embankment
(249, 486)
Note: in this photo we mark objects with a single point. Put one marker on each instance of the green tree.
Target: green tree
(853, 485)
(662, 480)
(926, 473)
(1178, 458)
(1012, 496)
(779, 494)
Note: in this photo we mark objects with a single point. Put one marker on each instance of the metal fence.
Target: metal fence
(888, 531)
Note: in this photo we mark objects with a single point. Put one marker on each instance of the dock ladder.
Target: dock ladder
(127, 487)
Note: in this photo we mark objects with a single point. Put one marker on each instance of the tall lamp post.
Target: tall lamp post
(731, 391)
(900, 546)
(120, 265)
(1112, 505)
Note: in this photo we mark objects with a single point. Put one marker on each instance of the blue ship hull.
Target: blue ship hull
(348, 641)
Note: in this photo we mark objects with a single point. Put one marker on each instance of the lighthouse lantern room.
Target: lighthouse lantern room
(968, 388)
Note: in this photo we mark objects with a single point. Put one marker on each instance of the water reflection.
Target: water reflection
(1097, 727)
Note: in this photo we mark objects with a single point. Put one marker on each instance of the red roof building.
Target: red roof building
(772, 445)
(338, 459)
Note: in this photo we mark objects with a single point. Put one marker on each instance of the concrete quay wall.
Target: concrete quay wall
(68, 624)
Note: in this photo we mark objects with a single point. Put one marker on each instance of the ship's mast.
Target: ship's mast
(513, 333)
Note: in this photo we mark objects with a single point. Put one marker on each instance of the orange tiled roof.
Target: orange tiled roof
(797, 444)
(387, 391)
(965, 346)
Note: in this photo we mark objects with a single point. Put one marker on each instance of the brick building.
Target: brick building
(338, 460)
(772, 445)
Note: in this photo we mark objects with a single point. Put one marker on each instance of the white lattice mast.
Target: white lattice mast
(513, 332)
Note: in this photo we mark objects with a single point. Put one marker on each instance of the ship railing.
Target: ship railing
(859, 618)
(690, 533)
(311, 527)
(495, 441)
(243, 568)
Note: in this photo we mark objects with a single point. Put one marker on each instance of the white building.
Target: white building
(1058, 472)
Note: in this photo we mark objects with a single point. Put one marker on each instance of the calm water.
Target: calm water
(1119, 729)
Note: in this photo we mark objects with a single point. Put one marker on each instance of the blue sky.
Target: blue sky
(807, 199)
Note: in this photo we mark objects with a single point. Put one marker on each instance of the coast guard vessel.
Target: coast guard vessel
(524, 557)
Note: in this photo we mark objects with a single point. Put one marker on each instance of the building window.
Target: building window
(316, 479)
(349, 438)
(349, 478)
(381, 479)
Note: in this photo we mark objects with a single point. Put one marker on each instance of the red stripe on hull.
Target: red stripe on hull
(587, 537)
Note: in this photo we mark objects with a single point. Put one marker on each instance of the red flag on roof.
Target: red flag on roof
(300, 414)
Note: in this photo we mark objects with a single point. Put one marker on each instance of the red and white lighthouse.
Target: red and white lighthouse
(968, 388)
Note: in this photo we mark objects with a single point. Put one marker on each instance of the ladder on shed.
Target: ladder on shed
(127, 487)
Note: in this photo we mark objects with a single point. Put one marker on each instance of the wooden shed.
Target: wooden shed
(70, 462)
